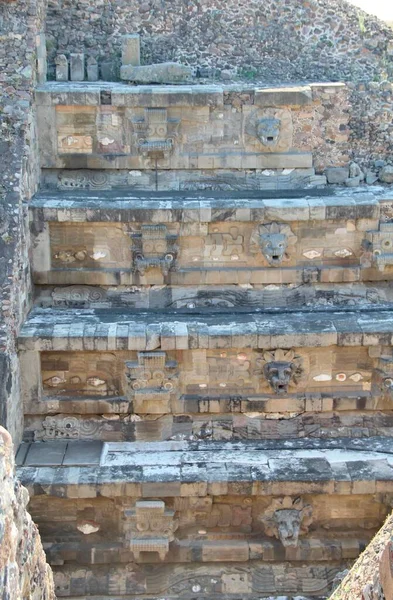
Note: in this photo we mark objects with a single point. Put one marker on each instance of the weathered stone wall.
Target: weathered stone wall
(21, 58)
(273, 40)
(24, 572)
(371, 126)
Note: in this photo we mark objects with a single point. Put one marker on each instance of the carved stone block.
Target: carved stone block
(286, 519)
(154, 134)
(154, 247)
(272, 128)
(151, 380)
(77, 66)
(380, 244)
(149, 527)
(282, 369)
(275, 241)
(61, 67)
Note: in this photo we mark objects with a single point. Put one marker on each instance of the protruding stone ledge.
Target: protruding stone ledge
(188, 207)
(74, 470)
(297, 96)
(100, 329)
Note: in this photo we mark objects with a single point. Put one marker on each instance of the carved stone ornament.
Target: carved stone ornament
(77, 296)
(383, 376)
(282, 369)
(150, 527)
(83, 179)
(380, 244)
(154, 135)
(152, 372)
(154, 247)
(60, 427)
(275, 241)
(57, 427)
(286, 519)
(272, 128)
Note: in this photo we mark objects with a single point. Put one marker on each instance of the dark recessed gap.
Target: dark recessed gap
(106, 97)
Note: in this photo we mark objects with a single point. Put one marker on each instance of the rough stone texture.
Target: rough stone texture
(274, 41)
(24, 572)
(370, 123)
(21, 43)
(371, 577)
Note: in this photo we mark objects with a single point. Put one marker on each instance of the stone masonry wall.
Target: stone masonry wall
(24, 572)
(22, 51)
(273, 40)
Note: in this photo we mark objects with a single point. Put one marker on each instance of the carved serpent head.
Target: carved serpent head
(268, 131)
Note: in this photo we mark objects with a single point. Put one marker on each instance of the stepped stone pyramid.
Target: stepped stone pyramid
(207, 371)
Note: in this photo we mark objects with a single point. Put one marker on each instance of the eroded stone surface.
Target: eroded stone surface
(23, 568)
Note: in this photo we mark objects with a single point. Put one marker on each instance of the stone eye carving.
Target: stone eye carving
(268, 131)
(275, 241)
(282, 369)
(286, 519)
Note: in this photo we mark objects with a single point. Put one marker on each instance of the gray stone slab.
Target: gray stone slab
(46, 454)
(83, 453)
(300, 469)
(169, 72)
(21, 454)
(77, 66)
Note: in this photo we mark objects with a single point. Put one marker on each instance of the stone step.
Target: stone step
(338, 466)
(99, 329)
(265, 514)
(119, 375)
(113, 238)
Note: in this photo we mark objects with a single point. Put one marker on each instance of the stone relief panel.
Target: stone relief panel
(177, 133)
(89, 246)
(287, 519)
(78, 296)
(83, 180)
(272, 129)
(226, 380)
(149, 527)
(269, 253)
(67, 427)
(81, 374)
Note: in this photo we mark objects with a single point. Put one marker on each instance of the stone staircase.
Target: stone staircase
(207, 374)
